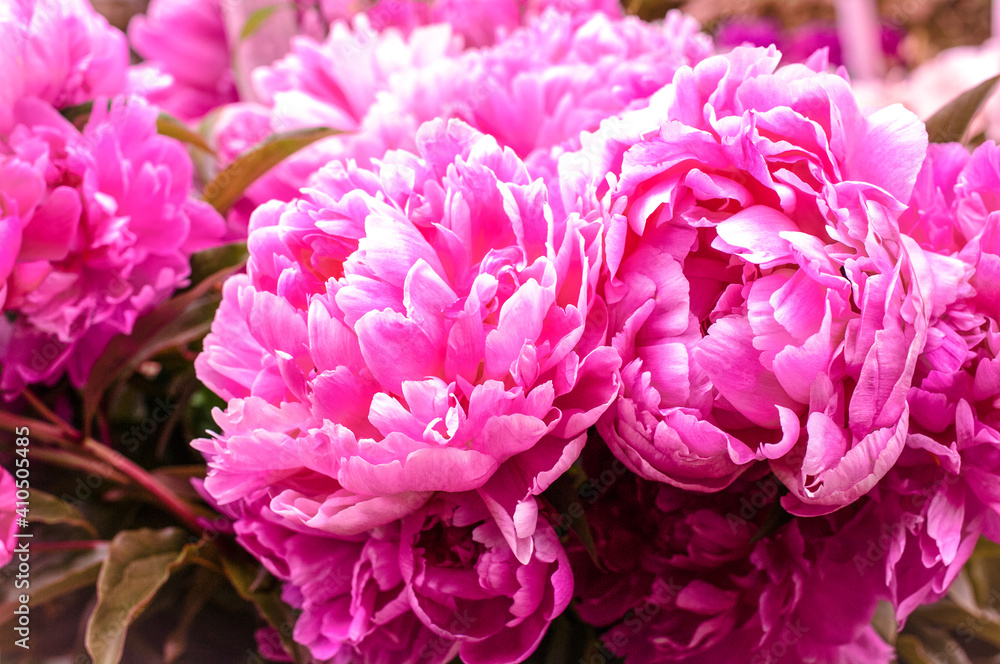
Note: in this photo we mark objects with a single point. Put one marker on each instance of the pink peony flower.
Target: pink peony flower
(189, 51)
(479, 22)
(942, 496)
(8, 517)
(269, 645)
(559, 76)
(187, 70)
(534, 92)
(332, 84)
(685, 579)
(60, 51)
(761, 297)
(439, 583)
(465, 584)
(98, 227)
(428, 326)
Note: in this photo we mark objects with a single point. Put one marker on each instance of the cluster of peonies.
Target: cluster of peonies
(193, 47)
(552, 242)
(804, 298)
(98, 222)
(777, 310)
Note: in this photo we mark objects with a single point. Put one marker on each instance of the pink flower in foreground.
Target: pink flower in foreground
(425, 327)
(439, 583)
(464, 582)
(760, 294)
(8, 516)
(60, 51)
(97, 228)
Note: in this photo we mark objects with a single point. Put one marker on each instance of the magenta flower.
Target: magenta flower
(559, 76)
(683, 579)
(479, 22)
(98, 227)
(465, 584)
(350, 591)
(8, 517)
(333, 83)
(439, 583)
(428, 326)
(60, 51)
(535, 92)
(795, 45)
(760, 294)
(942, 495)
(187, 70)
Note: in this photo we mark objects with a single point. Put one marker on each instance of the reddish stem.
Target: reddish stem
(167, 498)
(67, 545)
(50, 415)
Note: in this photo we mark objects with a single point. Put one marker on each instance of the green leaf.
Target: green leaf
(247, 575)
(983, 569)
(46, 508)
(257, 19)
(962, 592)
(952, 121)
(79, 571)
(212, 260)
(168, 125)
(139, 563)
(979, 624)
(227, 187)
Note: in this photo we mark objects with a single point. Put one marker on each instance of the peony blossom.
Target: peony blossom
(187, 70)
(557, 77)
(760, 294)
(60, 51)
(698, 578)
(479, 22)
(428, 326)
(439, 583)
(332, 83)
(98, 226)
(535, 92)
(191, 46)
(465, 584)
(942, 494)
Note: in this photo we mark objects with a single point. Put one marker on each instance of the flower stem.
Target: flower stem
(50, 415)
(168, 500)
(39, 430)
(73, 461)
(68, 545)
